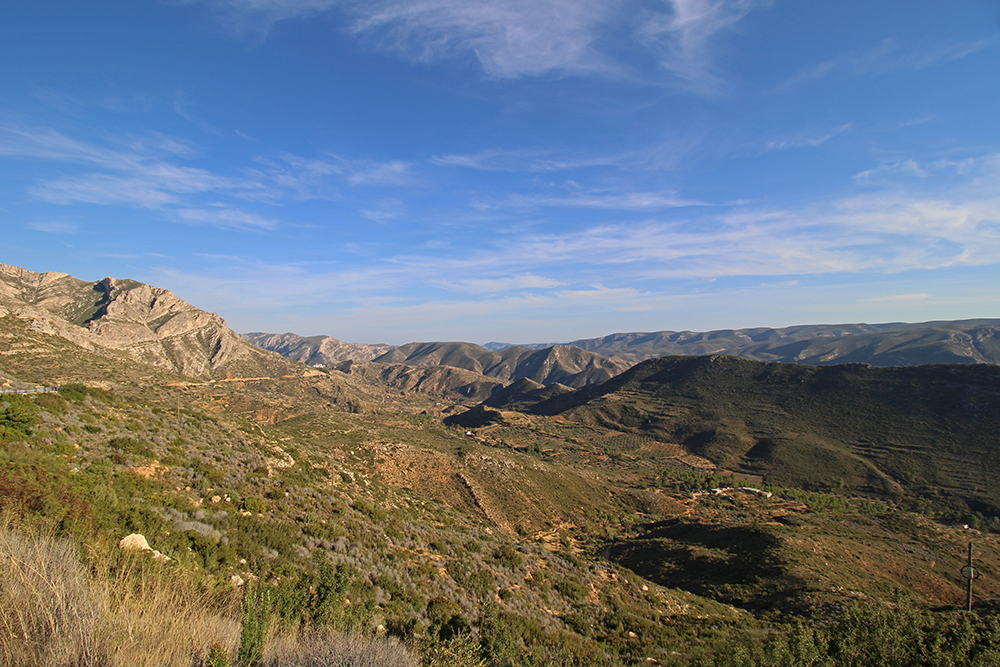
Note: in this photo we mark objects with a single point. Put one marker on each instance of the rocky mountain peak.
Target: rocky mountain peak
(149, 323)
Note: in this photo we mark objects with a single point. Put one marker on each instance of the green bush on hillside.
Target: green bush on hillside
(50, 402)
(877, 635)
(18, 416)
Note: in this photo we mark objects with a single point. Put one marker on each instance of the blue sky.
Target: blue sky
(514, 170)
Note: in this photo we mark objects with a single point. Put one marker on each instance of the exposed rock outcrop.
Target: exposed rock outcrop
(316, 350)
(150, 324)
(137, 542)
(563, 364)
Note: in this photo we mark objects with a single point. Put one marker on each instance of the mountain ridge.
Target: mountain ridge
(320, 350)
(876, 429)
(563, 364)
(149, 324)
(889, 344)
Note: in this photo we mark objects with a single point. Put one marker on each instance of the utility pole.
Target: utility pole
(971, 574)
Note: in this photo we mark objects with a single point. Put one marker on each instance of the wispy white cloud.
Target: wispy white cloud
(897, 298)
(906, 167)
(386, 210)
(131, 171)
(630, 268)
(807, 140)
(515, 38)
(617, 201)
(104, 189)
(54, 227)
(525, 161)
(918, 120)
(395, 172)
(886, 57)
(683, 37)
(312, 178)
(225, 217)
(147, 172)
(45, 143)
(510, 38)
(888, 231)
(524, 281)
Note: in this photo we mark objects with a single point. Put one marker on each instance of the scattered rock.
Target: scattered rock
(137, 542)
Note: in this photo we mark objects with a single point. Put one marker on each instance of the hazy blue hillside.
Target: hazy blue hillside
(895, 344)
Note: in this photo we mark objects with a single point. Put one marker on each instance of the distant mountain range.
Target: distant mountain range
(566, 365)
(893, 344)
(323, 351)
(591, 360)
(153, 326)
(562, 364)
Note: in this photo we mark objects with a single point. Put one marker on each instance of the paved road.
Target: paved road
(34, 390)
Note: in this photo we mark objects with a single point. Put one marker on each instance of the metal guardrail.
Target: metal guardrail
(33, 390)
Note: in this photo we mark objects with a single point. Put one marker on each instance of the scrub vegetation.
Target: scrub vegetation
(709, 511)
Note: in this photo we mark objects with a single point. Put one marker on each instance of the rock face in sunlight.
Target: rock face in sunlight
(563, 364)
(148, 323)
(315, 350)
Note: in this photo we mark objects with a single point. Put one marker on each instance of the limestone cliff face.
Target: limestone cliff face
(149, 323)
(315, 350)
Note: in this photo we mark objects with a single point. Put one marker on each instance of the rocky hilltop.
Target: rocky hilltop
(315, 350)
(401, 366)
(563, 364)
(149, 324)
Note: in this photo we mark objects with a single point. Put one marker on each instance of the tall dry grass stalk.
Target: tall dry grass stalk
(126, 611)
(49, 613)
(154, 615)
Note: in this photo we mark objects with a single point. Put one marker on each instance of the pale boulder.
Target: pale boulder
(137, 542)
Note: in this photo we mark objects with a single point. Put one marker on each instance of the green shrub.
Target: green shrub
(74, 391)
(127, 445)
(36, 483)
(17, 417)
(572, 590)
(332, 582)
(508, 556)
(53, 403)
(373, 512)
(446, 618)
(875, 635)
(254, 504)
(256, 613)
(498, 637)
(217, 657)
(458, 651)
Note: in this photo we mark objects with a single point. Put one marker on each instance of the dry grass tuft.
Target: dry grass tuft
(338, 650)
(153, 615)
(49, 613)
(126, 611)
